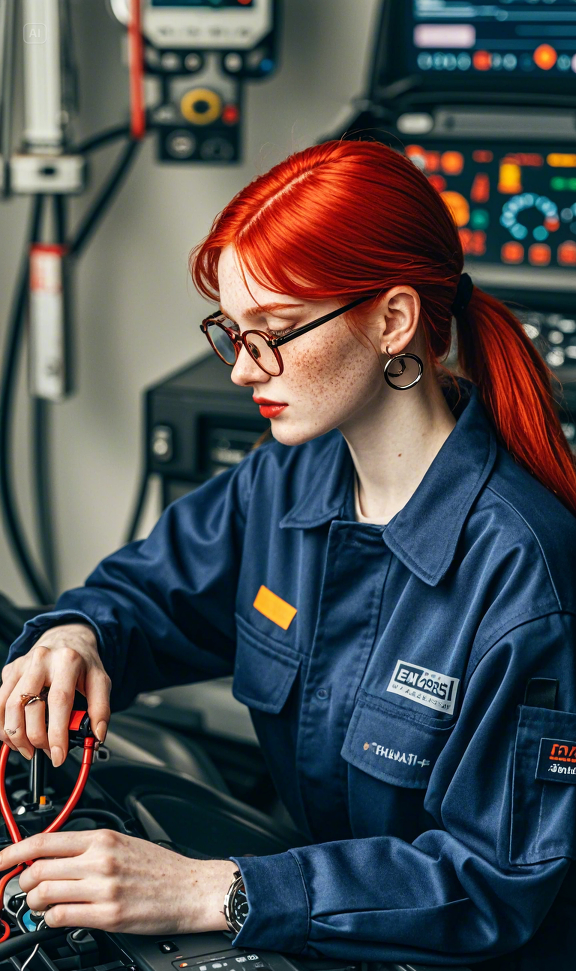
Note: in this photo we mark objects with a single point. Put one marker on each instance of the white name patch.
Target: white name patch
(429, 688)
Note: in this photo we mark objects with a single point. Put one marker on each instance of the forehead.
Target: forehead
(234, 293)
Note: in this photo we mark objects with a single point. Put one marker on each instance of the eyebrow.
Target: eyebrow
(265, 308)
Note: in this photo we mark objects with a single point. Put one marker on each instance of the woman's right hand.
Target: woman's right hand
(64, 659)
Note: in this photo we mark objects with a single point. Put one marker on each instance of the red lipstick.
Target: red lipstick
(270, 409)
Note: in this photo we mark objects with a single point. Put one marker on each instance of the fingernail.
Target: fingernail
(101, 731)
(57, 755)
(47, 752)
(25, 753)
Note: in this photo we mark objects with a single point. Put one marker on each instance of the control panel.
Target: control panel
(528, 44)
(200, 52)
(514, 203)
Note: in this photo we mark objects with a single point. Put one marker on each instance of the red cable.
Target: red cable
(56, 823)
(136, 71)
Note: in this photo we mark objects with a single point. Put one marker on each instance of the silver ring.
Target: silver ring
(10, 731)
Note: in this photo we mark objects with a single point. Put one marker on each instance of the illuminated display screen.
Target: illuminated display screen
(531, 41)
(213, 4)
(513, 204)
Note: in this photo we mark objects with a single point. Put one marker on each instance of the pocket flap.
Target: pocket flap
(543, 825)
(263, 672)
(392, 744)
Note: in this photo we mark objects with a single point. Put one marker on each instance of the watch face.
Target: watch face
(239, 906)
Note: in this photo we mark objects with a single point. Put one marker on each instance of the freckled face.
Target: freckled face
(329, 377)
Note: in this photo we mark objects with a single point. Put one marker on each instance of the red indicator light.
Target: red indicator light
(473, 242)
(567, 253)
(480, 191)
(482, 60)
(545, 57)
(512, 252)
(244, 2)
(432, 160)
(552, 223)
(438, 181)
(525, 158)
(230, 115)
(482, 155)
(539, 254)
(452, 163)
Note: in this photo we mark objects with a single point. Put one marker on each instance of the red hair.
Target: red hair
(347, 218)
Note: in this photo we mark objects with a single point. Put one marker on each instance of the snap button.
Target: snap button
(322, 694)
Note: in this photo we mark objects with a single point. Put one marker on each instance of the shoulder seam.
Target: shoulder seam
(490, 488)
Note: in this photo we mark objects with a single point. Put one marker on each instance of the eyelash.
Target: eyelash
(279, 333)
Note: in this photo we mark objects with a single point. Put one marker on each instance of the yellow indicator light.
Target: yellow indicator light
(561, 160)
(510, 181)
(42, 800)
(274, 608)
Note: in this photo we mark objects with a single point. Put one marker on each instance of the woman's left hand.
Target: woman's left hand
(107, 880)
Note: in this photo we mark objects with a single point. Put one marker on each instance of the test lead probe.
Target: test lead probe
(80, 732)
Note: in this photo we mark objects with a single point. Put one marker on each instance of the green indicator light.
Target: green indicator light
(571, 184)
(558, 183)
(479, 219)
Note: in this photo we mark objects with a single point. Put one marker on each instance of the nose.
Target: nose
(246, 372)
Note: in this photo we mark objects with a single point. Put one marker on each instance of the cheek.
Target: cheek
(337, 369)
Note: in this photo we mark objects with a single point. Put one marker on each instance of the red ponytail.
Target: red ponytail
(346, 218)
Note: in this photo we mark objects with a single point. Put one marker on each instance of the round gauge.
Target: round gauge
(529, 200)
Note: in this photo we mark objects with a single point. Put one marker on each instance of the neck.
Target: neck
(393, 442)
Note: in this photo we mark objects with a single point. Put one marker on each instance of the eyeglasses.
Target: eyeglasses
(227, 342)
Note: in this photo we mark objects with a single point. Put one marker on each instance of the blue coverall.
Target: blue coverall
(385, 669)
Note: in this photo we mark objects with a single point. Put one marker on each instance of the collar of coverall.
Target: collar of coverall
(425, 533)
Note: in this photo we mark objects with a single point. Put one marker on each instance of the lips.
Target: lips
(270, 409)
(267, 401)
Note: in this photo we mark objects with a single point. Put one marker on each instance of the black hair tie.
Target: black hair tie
(463, 294)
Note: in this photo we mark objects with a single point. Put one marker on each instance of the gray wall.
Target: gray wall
(136, 310)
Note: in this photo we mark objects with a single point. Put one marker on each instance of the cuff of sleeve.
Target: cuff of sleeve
(279, 910)
(34, 628)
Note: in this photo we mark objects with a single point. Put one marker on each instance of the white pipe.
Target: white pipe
(42, 78)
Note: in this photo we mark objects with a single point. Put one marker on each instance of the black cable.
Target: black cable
(138, 509)
(14, 945)
(7, 89)
(99, 140)
(8, 385)
(99, 814)
(98, 207)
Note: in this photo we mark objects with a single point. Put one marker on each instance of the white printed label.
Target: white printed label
(429, 688)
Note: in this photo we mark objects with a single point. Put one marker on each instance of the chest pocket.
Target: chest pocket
(264, 670)
(392, 744)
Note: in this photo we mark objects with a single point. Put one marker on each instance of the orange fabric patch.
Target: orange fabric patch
(274, 608)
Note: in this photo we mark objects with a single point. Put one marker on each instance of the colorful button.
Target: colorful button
(539, 254)
(512, 252)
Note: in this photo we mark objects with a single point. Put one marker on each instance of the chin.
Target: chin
(288, 433)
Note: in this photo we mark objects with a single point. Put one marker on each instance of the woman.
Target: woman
(394, 591)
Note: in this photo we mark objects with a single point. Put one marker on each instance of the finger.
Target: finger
(104, 916)
(60, 868)
(65, 673)
(98, 697)
(45, 844)
(31, 683)
(50, 892)
(35, 718)
(10, 676)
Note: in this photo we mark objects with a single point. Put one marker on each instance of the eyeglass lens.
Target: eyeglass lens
(257, 347)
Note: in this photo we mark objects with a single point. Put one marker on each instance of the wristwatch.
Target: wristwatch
(236, 904)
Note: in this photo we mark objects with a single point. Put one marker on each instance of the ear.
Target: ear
(400, 309)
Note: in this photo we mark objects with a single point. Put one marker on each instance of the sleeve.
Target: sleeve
(163, 608)
(479, 881)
